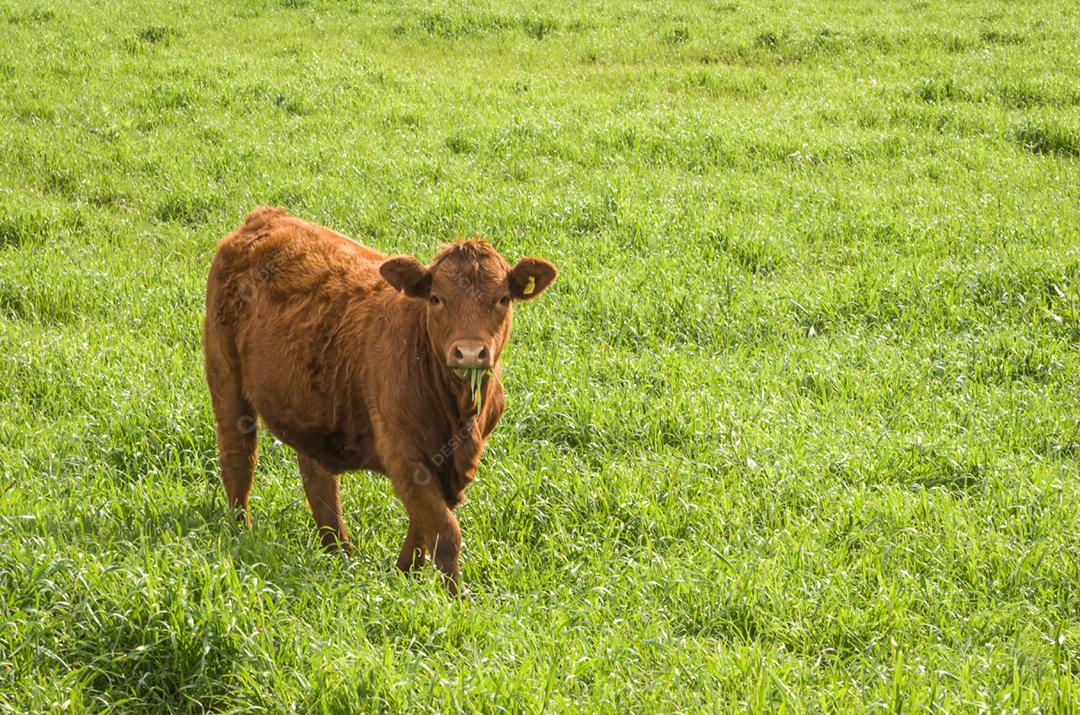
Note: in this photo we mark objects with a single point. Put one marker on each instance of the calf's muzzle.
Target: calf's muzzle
(469, 354)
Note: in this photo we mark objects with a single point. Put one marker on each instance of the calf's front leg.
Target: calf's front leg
(323, 489)
(412, 553)
(444, 542)
(433, 528)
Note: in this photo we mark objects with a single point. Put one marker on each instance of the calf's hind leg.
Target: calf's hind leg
(323, 489)
(237, 430)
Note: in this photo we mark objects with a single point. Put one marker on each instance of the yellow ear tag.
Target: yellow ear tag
(529, 287)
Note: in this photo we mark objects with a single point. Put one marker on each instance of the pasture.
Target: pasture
(798, 427)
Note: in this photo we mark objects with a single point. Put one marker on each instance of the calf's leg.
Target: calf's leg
(445, 545)
(412, 553)
(433, 529)
(323, 489)
(237, 428)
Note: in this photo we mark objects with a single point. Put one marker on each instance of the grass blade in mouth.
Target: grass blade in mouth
(476, 384)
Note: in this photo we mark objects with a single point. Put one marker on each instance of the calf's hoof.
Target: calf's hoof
(241, 517)
(332, 545)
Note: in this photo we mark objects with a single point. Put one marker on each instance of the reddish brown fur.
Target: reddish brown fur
(305, 331)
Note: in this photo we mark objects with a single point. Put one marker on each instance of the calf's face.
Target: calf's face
(469, 290)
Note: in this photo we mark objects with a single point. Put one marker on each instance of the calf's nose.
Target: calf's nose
(469, 353)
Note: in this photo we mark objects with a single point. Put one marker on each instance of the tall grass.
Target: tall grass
(797, 428)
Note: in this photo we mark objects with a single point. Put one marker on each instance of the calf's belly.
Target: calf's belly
(338, 450)
(301, 412)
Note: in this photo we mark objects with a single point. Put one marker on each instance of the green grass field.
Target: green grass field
(798, 428)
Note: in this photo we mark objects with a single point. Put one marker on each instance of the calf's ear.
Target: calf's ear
(407, 274)
(530, 277)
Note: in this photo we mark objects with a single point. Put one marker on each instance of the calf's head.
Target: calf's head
(469, 290)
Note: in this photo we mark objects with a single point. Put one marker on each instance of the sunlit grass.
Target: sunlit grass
(797, 425)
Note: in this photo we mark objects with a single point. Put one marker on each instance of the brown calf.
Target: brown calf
(359, 361)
